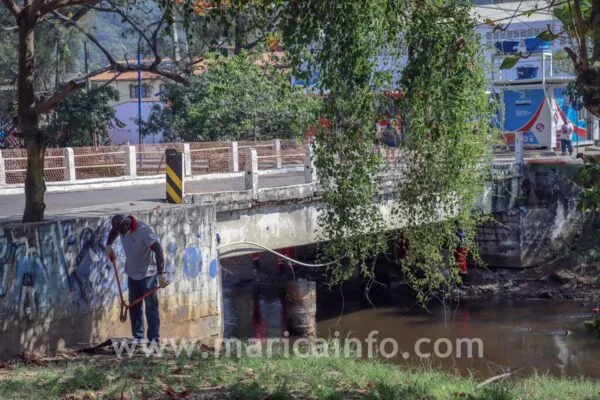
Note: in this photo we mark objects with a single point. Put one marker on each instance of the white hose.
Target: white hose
(279, 254)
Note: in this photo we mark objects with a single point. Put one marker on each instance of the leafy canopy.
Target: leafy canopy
(237, 98)
(84, 118)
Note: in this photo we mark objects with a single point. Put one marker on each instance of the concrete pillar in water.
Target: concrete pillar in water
(301, 307)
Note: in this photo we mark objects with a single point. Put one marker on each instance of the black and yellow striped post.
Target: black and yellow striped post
(175, 182)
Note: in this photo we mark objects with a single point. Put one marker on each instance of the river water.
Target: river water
(532, 335)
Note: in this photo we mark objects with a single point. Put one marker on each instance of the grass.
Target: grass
(103, 377)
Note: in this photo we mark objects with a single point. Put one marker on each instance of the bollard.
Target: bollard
(174, 176)
(301, 307)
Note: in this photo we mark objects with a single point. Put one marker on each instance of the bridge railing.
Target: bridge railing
(87, 164)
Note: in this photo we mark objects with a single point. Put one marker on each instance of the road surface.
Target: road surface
(11, 206)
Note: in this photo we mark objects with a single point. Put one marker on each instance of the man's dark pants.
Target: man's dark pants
(137, 288)
(564, 145)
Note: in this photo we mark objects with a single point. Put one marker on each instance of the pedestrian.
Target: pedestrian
(144, 272)
(565, 141)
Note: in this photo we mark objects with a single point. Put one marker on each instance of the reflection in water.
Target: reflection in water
(530, 334)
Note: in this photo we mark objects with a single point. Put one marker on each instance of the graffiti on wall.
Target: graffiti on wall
(37, 265)
(62, 267)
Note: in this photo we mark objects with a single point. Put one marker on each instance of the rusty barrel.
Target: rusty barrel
(301, 307)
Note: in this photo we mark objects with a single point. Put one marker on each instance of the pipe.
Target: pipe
(276, 253)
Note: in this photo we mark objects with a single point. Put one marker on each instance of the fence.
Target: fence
(90, 163)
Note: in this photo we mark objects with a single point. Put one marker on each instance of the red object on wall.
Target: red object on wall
(461, 259)
(281, 262)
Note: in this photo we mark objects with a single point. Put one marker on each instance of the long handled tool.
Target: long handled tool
(124, 306)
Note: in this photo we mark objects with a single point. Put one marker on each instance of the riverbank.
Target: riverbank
(107, 377)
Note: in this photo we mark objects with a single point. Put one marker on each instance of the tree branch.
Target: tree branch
(92, 38)
(157, 58)
(575, 58)
(135, 26)
(58, 4)
(48, 105)
(12, 7)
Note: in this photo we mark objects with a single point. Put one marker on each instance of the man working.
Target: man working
(143, 274)
(565, 138)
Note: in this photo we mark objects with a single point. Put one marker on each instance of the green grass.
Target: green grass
(275, 378)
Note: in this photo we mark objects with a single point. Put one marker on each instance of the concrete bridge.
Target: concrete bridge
(57, 288)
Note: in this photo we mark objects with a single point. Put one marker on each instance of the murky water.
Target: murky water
(533, 335)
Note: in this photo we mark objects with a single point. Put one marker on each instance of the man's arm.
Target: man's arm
(112, 236)
(160, 258)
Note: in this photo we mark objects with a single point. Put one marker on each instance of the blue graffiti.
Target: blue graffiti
(214, 268)
(170, 271)
(5, 253)
(53, 256)
(192, 262)
(171, 248)
(68, 235)
(31, 283)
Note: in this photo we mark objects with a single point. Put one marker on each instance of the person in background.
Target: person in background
(460, 254)
(144, 272)
(565, 138)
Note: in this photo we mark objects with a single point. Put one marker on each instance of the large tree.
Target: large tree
(33, 104)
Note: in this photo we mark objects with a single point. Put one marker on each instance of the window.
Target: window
(133, 91)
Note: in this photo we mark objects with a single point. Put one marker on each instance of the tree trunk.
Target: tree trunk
(35, 142)
(588, 80)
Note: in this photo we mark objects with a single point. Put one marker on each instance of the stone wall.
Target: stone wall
(57, 288)
(534, 220)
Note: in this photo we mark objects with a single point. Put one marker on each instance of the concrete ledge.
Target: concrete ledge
(107, 183)
(286, 193)
(88, 184)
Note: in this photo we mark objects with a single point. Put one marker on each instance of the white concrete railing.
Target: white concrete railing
(84, 168)
(71, 165)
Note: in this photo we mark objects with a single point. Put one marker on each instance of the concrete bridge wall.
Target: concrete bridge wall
(535, 216)
(58, 289)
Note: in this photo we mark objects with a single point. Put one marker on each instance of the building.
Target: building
(534, 102)
(129, 107)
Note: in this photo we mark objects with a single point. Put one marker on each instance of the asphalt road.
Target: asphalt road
(12, 205)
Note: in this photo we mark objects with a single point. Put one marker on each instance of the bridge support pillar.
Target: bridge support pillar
(130, 162)
(69, 164)
(187, 159)
(252, 172)
(2, 170)
(234, 163)
(277, 148)
(301, 307)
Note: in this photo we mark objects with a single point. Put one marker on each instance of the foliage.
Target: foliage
(84, 118)
(565, 13)
(340, 42)
(289, 377)
(447, 141)
(237, 98)
(446, 136)
(589, 178)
